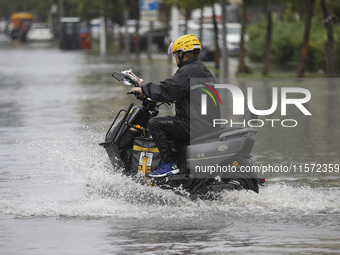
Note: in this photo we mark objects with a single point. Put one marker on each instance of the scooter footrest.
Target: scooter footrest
(179, 177)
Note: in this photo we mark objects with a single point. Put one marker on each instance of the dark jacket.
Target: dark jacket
(177, 88)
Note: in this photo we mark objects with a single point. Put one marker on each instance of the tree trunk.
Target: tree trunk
(305, 44)
(187, 17)
(282, 11)
(150, 42)
(136, 40)
(330, 69)
(126, 37)
(268, 39)
(200, 36)
(168, 28)
(224, 72)
(217, 48)
(241, 62)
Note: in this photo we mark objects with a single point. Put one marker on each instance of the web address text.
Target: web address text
(291, 168)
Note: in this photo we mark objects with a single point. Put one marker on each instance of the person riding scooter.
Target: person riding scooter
(176, 89)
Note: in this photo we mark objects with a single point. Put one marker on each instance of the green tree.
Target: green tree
(330, 41)
(306, 35)
(268, 38)
(187, 7)
(241, 56)
(37, 7)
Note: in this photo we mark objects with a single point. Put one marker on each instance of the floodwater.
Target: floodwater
(58, 194)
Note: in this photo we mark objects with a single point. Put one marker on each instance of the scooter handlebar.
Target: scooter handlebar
(134, 93)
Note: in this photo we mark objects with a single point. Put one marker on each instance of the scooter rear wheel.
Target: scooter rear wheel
(245, 182)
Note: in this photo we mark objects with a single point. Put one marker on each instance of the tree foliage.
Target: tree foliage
(86, 9)
(287, 35)
(37, 7)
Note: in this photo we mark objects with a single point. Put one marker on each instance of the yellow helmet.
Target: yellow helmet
(185, 43)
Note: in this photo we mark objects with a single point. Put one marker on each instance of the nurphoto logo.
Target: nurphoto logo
(204, 97)
(238, 105)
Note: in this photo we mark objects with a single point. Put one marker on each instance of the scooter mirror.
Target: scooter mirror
(119, 76)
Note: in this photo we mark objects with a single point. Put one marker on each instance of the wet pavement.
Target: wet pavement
(59, 195)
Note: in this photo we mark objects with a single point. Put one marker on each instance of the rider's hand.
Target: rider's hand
(136, 90)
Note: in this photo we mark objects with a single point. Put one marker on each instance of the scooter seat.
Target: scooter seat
(212, 135)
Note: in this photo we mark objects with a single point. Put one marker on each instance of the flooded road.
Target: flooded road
(58, 194)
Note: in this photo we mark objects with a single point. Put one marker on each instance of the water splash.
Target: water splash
(72, 177)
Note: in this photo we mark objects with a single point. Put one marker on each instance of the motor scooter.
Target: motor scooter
(220, 155)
